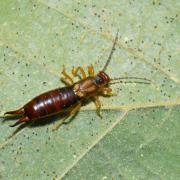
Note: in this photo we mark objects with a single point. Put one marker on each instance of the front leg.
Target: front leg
(108, 92)
(91, 70)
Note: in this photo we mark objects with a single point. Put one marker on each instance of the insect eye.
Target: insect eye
(99, 80)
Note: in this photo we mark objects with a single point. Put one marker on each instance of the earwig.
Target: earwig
(70, 98)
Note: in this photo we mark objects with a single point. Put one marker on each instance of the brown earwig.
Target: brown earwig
(70, 98)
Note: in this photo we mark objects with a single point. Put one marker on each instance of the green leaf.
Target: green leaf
(138, 136)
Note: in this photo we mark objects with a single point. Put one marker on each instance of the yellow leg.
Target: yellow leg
(67, 78)
(98, 105)
(91, 70)
(75, 72)
(63, 121)
(108, 91)
(64, 80)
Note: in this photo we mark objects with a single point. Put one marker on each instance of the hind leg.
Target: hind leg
(71, 114)
(67, 78)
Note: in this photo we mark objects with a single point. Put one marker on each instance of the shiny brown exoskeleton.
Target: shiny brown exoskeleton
(70, 98)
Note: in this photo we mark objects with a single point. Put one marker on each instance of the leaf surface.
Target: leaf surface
(138, 136)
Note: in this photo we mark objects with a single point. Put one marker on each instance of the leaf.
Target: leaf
(138, 136)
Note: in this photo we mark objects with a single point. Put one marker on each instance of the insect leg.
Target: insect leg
(108, 91)
(64, 80)
(63, 121)
(67, 78)
(91, 70)
(98, 105)
(75, 72)
(73, 113)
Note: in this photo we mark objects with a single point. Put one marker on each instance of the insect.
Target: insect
(70, 97)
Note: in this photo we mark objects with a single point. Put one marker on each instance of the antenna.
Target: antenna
(131, 80)
(111, 53)
(131, 77)
(125, 82)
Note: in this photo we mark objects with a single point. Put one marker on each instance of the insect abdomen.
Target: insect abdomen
(50, 103)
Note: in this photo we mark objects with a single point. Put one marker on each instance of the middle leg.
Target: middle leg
(76, 70)
(98, 105)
